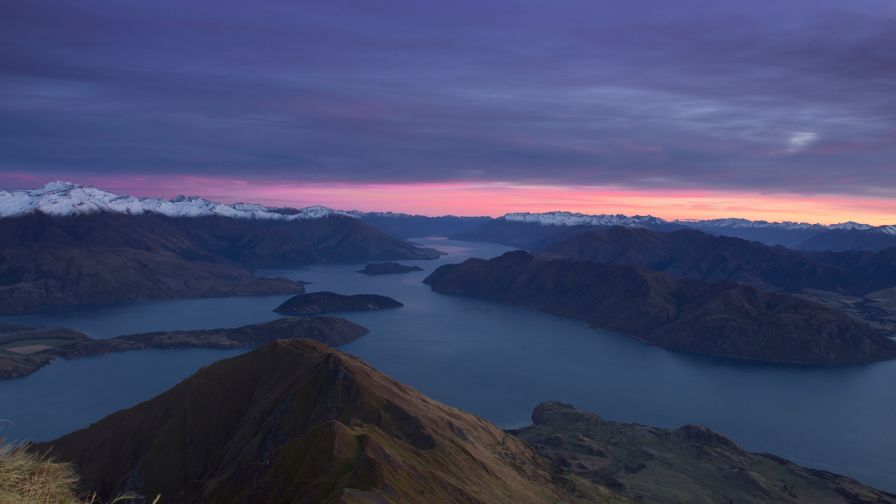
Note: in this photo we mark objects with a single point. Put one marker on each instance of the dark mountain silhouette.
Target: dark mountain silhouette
(718, 319)
(849, 239)
(706, 257)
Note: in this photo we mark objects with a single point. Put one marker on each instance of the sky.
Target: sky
(685, 109)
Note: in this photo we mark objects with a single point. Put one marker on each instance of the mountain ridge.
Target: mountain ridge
(296, 421)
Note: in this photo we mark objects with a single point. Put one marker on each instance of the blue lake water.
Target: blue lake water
(493, 360)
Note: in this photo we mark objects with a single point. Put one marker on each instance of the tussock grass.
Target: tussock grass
(27, 477)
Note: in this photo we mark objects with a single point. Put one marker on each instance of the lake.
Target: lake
(495, 361)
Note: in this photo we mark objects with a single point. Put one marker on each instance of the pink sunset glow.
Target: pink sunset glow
(495, 198)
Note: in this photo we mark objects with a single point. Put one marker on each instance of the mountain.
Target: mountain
(67, 199)
(533, 231)
(538, 230)
(58, 245)
(803, 236)
(298, 422)
(24, 350)
(874, 239)
(788, 234)
(405, 226)
(717, 319)
(705, 257)
(688, 464)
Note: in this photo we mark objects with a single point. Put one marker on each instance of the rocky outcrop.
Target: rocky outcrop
(330, 302)
(718, 319)
(388, 268)
(688, 464)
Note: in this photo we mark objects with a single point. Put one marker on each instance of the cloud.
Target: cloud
(697, 93)
(799, 140)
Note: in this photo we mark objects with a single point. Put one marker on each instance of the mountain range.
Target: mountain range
(520, 229)
(539, 230)
(65, 245)
(698, 255)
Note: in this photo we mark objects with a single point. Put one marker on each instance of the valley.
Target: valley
(493, 360)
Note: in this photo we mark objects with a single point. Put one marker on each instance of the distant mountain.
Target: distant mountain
(718, 319)
(405, 226)
(803, 236)
(65, 245)
(531, 231)
(299, 422)
(687, 464)
(67, 199)
(538, 230)
(697, 255)
(874, 239)
(577, 219)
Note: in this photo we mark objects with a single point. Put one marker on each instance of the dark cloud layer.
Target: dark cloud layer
(759, 95)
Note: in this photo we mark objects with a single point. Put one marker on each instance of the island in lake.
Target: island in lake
(388, 268)
(315, 303)
(24, 350)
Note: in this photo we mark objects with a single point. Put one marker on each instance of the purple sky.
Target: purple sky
(791, 96)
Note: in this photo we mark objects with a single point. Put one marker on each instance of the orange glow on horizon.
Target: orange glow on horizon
(495, 199)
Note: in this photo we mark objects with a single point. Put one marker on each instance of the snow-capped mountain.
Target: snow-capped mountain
(785, 225)
(533, 230)
(558, 218)
(67, 199)
(578, 219)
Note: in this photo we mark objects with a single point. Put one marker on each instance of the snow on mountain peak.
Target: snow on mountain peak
(787, 225)
(850, 225)
(578, 219)
(67, 199)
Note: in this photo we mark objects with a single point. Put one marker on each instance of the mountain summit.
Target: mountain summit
(296, 421)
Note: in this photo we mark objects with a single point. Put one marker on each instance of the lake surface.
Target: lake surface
(493, 360)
